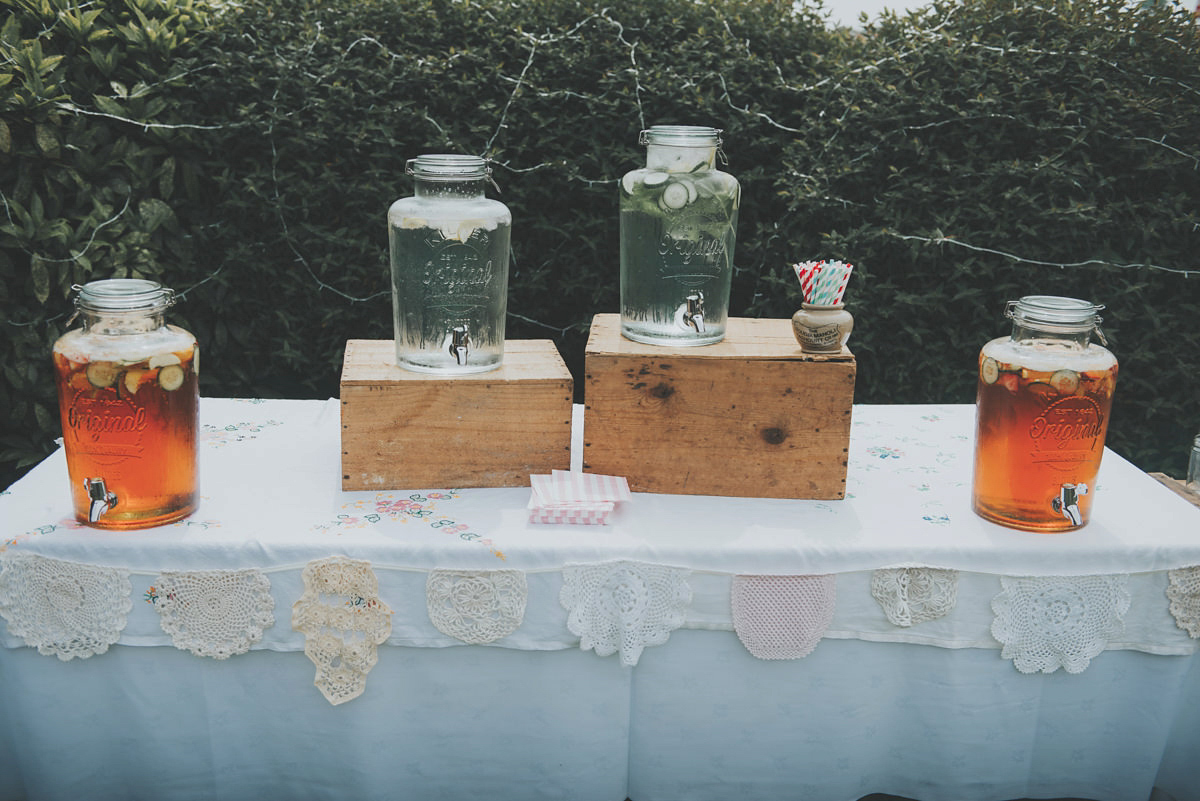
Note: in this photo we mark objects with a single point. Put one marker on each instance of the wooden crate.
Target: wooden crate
(750, 416)
(408, 430)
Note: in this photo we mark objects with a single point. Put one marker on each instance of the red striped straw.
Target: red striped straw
(841, 287)
(807, 272)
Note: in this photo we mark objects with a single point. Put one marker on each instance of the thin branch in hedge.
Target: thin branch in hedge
(746, 110)
(183, 294)
(512, 97)
(941, 240)
(75, 257)
(361, 39)
(508, 166)
(547, 326)
(637, 83)
(143, 124)
(287, 235)
(1162, 143)
(1037, 51)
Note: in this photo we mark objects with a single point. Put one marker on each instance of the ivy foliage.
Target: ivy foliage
(94, 175)
(960, 156)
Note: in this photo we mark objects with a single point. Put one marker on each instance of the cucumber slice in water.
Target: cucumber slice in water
(102, 374)
(675, 196)
(170, 377)
(989, 371)
(655, 179)
(1065, 381)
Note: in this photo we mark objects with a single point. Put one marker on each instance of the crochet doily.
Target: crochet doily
(217, 613)
(343, 621)
(782, 617)
(911, 595)
(624, 606)
(63, 608)
(1050, 622)
(1183, 591)
(476, 607)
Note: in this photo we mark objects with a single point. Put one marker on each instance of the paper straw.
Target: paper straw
(807, 272)
(841, 287)
(830, 283)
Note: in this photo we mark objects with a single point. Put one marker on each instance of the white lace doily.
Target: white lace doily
(217, 613)
(1058, 621)
(782, 617)
(63, 608)
(1183, 591)
(911, 595)
(476, 607)
(343, 622)
(624, 606)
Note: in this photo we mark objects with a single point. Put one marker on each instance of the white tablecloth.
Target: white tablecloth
(871, 709)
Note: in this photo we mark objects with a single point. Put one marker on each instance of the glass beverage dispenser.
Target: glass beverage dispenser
(678, 223)
(128, 396)
(1044, 398)
(449, 263)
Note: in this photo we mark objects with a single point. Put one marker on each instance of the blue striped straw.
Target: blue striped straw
(831, 282)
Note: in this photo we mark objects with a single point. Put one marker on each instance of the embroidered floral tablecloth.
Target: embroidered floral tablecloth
(902, 558)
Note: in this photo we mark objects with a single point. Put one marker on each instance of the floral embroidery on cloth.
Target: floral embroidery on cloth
(782, 617)
(1058, 621)
(476, 607)
(63, 608)
(343, 622)
(911, 595)
(1183, 591)
(624, 606)
(216, 613)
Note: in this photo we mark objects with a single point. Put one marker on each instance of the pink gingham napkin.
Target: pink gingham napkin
(577, 498)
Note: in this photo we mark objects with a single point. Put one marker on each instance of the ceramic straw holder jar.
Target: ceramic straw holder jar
(822, 329)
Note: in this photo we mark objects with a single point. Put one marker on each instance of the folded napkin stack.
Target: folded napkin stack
(579, 498)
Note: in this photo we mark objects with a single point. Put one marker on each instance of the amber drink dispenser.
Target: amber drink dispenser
(128, 397)
(1043, 402)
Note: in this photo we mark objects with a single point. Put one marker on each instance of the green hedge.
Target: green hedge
(95, 179)
(959, 157)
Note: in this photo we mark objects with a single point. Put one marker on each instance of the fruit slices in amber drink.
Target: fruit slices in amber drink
(130, 428)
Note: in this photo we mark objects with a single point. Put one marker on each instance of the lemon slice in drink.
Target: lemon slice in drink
(162, 360)
(133, 380)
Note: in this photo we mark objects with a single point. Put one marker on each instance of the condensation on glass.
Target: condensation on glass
(449, 247)
(128, 396)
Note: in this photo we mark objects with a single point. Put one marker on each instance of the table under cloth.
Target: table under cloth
(695, 647)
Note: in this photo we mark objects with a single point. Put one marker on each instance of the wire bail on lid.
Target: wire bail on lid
(114, 295)
(1057, 314)
(449, 167)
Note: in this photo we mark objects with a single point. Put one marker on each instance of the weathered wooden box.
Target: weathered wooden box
(408, 430)
(750, 416)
